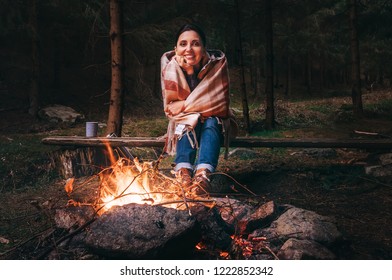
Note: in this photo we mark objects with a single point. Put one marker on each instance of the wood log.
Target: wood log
(82, 161)
(249, 142)
(376, 134)
(103, 141)
(82, 156)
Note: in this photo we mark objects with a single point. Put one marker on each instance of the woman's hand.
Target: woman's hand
(184, 65)
(175, 107)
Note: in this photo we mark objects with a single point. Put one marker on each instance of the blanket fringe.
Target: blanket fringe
(172, 139)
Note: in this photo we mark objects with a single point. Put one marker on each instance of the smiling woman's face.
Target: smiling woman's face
(190, 46)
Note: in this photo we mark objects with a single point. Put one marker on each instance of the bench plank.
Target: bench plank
(238, 142)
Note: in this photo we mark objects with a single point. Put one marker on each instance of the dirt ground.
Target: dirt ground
(360, 204)
(334, 186)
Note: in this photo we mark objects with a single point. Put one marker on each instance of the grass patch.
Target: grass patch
(321, 108)
(269, 134)
(146, 127)
(383, 107)
(24, 162)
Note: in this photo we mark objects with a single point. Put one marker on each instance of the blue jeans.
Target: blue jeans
(209, 136)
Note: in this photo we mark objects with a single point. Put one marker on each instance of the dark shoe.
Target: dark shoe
(184, 177)
(201, 181)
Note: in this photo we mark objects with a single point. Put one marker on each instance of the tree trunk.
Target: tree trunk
(256, 64)
(309, 72)
(276, 74)
(254, 74)
(34, 80)
(245, 107)
(355, 61)
(269, 85)
(322, 71)
(115, 118)
(288, 76)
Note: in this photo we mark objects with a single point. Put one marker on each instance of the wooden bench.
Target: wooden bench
(81, 156)
(249, 142)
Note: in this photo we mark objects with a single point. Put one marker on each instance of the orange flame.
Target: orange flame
(69, 185)
(129, 181)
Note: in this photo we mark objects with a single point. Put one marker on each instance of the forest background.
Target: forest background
(59, 52)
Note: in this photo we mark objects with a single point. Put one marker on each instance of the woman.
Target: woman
(195, 88)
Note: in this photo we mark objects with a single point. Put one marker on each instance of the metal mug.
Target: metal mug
(91, 129)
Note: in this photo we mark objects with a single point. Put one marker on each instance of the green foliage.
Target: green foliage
(384, 107)
(146, 128)
(268, 134)
(346, 107)
(321, 108)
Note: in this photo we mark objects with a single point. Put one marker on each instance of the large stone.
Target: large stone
(302, 224)
(295, 249)
(214, 231)
(261, 217)
(154, 232)
(386, 159)
(379, 170)
(232, 210)
(137, 231)
(73, 217)
(60, 113)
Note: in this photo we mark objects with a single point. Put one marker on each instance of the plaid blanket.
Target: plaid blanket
(209, 99)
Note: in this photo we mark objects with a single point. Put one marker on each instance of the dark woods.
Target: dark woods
(59, 51)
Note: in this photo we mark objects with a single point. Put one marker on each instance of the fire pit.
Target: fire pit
(140, 213)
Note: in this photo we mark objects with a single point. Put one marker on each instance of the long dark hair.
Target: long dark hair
(192, 27)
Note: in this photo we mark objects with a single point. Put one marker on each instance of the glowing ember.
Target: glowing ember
(252, 246)
(201, 246)
(224, 254)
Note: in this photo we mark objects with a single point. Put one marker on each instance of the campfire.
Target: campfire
(141, 213)
(129, 181)
(132, 181)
